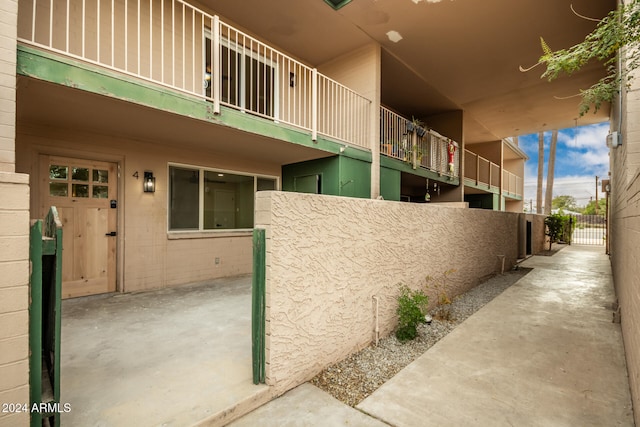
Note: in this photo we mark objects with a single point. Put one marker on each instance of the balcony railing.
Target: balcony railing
(480, 171)
(512, 185)
(429, 150)
(174, 44)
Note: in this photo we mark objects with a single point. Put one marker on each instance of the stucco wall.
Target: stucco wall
(624, 233)
(328, 256)
(539, 241)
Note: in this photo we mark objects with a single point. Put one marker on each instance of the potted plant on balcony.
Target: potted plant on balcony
(416, 125)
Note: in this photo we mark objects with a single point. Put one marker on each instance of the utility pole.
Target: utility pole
(596, 194)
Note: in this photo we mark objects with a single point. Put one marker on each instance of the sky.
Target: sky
(581, 154)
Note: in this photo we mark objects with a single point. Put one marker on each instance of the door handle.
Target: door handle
(113, 233)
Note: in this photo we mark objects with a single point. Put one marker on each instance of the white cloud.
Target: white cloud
(589, 137)
(596, 158)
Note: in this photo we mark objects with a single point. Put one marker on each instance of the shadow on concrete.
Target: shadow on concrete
(176, 356)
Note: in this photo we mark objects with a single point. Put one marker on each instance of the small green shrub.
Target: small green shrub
(559, 227)
(412, 307)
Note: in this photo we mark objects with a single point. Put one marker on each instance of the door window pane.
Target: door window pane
(79, 190)
(100, 191)
(58, 172)
(183, 198)
(100, 175)
(80, 174)
(58, 189)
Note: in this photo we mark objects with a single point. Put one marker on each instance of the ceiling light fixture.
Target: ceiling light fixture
(394, 36)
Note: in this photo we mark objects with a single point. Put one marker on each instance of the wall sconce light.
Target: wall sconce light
(292, 79)
(149, 183)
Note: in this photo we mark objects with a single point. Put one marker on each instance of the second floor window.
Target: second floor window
(248, 79)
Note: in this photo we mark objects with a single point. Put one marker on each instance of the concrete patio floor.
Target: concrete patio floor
(172, 357)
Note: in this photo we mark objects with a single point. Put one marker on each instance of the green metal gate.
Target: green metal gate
(45, 319)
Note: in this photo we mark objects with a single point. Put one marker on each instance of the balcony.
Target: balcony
(484, 174)
(481, 172)
(184, 49)
(512, 185)
(420, 147)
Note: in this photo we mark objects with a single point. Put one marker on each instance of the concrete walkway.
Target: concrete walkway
(544, 353)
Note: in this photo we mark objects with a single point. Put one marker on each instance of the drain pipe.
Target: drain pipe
(501, 259)
(377, 330)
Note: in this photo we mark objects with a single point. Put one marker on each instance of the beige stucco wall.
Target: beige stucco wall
(539, 241)
(14, 237)
(489, 150)
(327, 257)
(625, 230)
(148, 255)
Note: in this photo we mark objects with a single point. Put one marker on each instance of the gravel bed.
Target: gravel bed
(359, 375)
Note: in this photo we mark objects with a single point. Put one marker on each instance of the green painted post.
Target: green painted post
(35, 320)
(53, 230)
(58, 316)
(258, 306)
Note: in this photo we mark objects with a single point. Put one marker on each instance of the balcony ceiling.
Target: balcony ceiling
(454, 54)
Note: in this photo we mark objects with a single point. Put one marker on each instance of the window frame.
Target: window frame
(201, 231)
(243, 54)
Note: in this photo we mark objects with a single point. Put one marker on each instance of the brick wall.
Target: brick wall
(14, 236)
(8, 31)
(14, 298)
(625, 230)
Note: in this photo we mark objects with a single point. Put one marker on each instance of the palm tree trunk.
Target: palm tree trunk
(550, 171)
(540, 171)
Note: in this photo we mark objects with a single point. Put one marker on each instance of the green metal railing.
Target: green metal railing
(45, 319)
(258, 304)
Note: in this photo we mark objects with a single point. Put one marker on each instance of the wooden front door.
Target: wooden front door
(85, 194)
